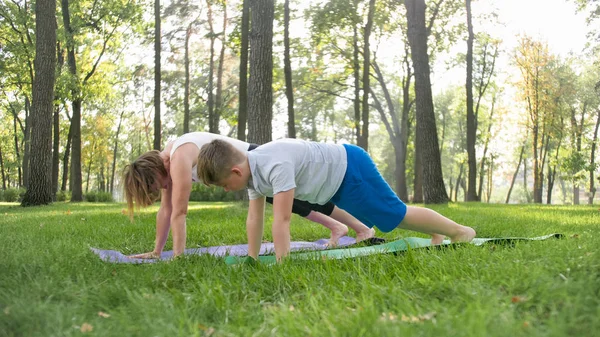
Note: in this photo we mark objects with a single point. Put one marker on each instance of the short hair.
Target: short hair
(139, 178)
(216, 160)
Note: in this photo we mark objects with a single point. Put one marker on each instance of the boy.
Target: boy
(318, 173)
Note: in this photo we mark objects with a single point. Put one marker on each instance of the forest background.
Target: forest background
(454, 100)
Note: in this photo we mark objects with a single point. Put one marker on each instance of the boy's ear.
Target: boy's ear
(236, 170)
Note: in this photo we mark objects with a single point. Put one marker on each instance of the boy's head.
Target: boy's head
(143, 180)
(221, 164)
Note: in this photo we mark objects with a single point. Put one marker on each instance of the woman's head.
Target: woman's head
(142, 180)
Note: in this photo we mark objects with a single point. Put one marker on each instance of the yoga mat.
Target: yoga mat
(233, 250)
(390, 247)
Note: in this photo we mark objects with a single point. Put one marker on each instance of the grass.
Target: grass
(51, 284)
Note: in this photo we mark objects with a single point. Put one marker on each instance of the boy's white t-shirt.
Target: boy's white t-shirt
(202, 138)
(315, 170)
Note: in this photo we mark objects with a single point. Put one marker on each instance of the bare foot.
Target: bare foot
(364, 235)
(437, 239)
(336, 234)
(466, 234)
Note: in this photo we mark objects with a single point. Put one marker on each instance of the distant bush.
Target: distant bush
(63, 196)
(202, 192)
(12, 194)
(98, 196)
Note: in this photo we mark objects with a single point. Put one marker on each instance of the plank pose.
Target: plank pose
(318, 173)
(174, 169)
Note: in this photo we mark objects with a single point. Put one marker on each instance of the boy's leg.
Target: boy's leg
(319, 214)
(428, 221)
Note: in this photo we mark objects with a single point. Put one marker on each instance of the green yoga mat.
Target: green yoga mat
(390, 247)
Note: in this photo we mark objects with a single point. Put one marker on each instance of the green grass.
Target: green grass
(51, 284)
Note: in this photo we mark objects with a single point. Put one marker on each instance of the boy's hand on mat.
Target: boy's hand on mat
(149, 255)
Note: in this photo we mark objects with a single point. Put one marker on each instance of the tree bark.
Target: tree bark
(115, 152)
(260, 84)
(213, 124)
(66, 157)
(243, 87)
(157, 75)
(364, 137)
(186, 88)
(592, 161)
(356, 74)
(434, 190)
(26, 143)
(514, 178)
(471, 124)
(39, 189)
(219, 96)
(287, 69)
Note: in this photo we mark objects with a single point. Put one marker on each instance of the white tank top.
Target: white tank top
(202, 138)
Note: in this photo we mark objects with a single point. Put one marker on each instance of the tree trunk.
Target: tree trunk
(213, 124)
(485, 149)
(434, 190)
(115, 151)
(356, 74)
(39, 189)
(2, 170)
(287, 69)
(75, 176)
(260, 84)
(219, 97)
(471, 123)
(157, 76)
(65, 171)
(186, 88)
(60, 60)
(27, 143)
(89, 168)
(76, 180)
(243, 88)
(364, 137)
(514, 178)
(17, 152)
(592, 161)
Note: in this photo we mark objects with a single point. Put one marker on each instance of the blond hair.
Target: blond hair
(139, 179)
(216, 160)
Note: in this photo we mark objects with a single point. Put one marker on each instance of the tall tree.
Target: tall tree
(219, 101)
(213, 120)
(471, 123)
(434, 190)
(243, 86)
(157, 76)
(39, 191)
(260, 84)
(287, 69)
(364, 139)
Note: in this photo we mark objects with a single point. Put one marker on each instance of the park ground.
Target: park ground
(51, 284)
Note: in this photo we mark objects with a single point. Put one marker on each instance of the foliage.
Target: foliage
(11, 194)
(98, 196)
(53, 285)
(201, 192)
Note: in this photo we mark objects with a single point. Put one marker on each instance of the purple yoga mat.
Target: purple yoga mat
(235, 250)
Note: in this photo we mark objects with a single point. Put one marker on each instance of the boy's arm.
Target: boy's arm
(254, 226)
(282, 213)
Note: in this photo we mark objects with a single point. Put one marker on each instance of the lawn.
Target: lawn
(51, 284)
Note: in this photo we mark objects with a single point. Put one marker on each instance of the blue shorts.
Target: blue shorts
(366, 195)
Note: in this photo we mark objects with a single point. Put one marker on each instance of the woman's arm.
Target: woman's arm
(181, 182)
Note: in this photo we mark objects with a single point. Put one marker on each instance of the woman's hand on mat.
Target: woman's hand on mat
(149, 255)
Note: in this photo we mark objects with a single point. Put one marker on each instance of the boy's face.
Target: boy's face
(234, 181)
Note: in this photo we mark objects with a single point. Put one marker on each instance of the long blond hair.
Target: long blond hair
(139, 179)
